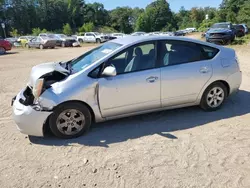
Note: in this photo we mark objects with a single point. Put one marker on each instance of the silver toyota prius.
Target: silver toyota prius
(125, 77)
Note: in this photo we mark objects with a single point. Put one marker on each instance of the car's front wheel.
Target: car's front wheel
(70, 120)
(41, 46)
(214, 97)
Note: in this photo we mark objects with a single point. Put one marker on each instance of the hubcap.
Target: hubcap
(70, 122)
(215, 97)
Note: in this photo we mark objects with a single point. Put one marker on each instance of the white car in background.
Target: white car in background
(118, 35)
(138, 34)
(91, 37)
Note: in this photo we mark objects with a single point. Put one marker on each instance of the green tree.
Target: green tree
(156, 16)
(121, 19)
(67, 29)
(87, 27)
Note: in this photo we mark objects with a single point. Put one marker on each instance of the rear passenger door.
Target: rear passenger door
(185, 68)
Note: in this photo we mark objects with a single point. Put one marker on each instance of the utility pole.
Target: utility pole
(3, 26)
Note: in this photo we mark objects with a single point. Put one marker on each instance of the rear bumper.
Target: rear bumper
(235, 81)
(28, 120)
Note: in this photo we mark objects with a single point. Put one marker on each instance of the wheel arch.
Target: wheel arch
(225, 83)
(46, 123)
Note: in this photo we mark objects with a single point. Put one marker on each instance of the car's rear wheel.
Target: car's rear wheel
(2, 50)
(27, 46)
(80, 40)
(41, 46)
(70, 120)
(214, 97)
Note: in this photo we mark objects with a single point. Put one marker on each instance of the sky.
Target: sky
(175, 5)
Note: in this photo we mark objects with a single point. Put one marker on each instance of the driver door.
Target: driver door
(132, 89)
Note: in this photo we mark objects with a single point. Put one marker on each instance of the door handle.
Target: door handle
(152, 79)
(204, 70)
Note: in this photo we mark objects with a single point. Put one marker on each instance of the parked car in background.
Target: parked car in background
(246, 28)
(12, 40)
(179, 33)
(4, 46)
(138, 34)
(239, 30)
(66, 41)
(190, 30)
(124, 77)
(24, 40)
(118, 35)
(41, 42)
(221, 33)
(92, 37)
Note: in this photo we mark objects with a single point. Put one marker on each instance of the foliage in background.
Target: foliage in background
(87, 27)
(14, 32)
(37, 31)
(67, 29)
(25, 15)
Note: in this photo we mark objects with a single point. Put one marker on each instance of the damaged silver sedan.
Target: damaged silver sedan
(125, 77)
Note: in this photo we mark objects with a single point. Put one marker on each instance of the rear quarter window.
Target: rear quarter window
(209, 52)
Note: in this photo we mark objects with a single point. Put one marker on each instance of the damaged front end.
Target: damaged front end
(28, 114)
(41, 79)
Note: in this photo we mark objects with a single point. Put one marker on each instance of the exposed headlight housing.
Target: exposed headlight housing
(37, 89)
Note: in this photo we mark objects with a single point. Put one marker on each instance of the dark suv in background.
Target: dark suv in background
(223, 33)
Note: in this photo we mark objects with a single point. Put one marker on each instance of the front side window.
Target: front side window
(136, 58)
(92, 56)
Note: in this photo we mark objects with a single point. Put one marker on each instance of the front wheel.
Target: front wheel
(41, 46)
(70, 120)
(214, 97)
(98, 41)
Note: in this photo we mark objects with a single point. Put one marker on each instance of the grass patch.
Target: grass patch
(242, 40)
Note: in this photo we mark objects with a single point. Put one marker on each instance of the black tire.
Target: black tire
(98, 41)
(80, 40)
(2, 51)
(204, 101)
(41, 46)
(70, 106)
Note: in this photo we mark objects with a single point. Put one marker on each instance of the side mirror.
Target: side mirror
(109, 71)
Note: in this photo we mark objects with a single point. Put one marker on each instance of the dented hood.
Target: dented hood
(45, 68)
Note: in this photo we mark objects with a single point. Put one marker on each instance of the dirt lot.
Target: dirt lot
(177, 148)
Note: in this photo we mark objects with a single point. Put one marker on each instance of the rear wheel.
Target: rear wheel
(214, 97)
(70, 120)
(80, 40)
(27, 46)
(2, 50)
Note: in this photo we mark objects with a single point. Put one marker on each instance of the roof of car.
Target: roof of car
(138, 39)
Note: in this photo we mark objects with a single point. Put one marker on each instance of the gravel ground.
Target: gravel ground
(176, 148)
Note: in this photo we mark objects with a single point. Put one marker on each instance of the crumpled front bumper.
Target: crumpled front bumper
(28, 120)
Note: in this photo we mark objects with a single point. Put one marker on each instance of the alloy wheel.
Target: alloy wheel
(215, 97)
(70, 122)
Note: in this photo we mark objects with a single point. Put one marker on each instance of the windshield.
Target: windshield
(224, 26)
(92, 56)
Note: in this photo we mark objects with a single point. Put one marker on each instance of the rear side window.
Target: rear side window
(209, 52)
(180, 52)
